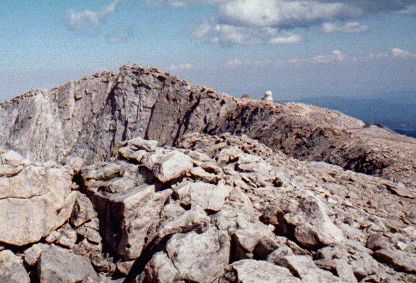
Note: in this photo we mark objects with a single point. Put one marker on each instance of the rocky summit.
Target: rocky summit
(138, 176)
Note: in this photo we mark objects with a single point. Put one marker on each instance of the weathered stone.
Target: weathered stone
(124, 267)
(187, 221)
(253, 271)
(129, 218)
(345, 271)
(306, 269)
(60, 265)
(103, 265)
(161, 269)
(208, 196)
(199, 257)
(90, 234)
(377, 242)
(253, 238)
(168, 165)
(83, 211)
(33, 203)
(12, 269)
(64, 236)
(88, 249)
(32, 254)
(312, 225)
(401, 261)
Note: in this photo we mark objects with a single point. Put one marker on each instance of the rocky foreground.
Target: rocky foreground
(140, 177)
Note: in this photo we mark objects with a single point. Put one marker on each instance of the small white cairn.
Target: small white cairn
(268, 96)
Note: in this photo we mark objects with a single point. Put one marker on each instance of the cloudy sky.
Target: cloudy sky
(296, 48)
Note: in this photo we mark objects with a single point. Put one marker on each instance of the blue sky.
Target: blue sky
(296, 48)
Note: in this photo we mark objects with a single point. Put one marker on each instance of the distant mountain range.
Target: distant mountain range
(396, 110)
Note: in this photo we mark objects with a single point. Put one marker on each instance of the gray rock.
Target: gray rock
(168, 165)
(199, 257)
(306, 269)
(83, 211)
(34, 202)
(64, 236)
(59, 265)
(32, 254)
(313, 227)
(12, 269)
(161, 269)
(128, 209)
(208, 196)
(401, 261)
(253, 271)
(186, 221)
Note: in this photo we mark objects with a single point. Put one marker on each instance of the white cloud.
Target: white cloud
(403, 54)
(87, 19)
(227, 34)
(290, 39)
(408, 11)
(335, 56)
(283, 13)
(181, 67)
(183, 3)
(239, 63)
(348, 27)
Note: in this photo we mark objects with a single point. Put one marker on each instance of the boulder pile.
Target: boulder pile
(219, 208)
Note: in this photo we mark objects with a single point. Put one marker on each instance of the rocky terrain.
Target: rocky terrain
(140, 177)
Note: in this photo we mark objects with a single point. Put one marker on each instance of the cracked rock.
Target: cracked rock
(33, 203)
(199, 257)
(12, 269)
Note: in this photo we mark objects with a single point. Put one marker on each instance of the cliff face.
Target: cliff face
(88, 117)
(141, 177)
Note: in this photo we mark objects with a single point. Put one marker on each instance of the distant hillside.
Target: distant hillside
(395, 110)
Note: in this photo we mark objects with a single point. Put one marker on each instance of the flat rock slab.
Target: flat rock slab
(254, 271)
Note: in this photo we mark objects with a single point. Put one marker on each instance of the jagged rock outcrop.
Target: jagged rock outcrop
(84, 197)
(89, 117)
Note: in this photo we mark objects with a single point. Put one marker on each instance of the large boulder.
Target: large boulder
(306, 219)
(34, 199)
(128, 208)
(199, 257)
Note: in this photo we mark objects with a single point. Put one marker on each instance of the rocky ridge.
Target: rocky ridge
(131, 177)
(89, 117)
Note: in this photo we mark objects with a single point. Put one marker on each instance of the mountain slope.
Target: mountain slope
(394, 110)
(87, 118)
